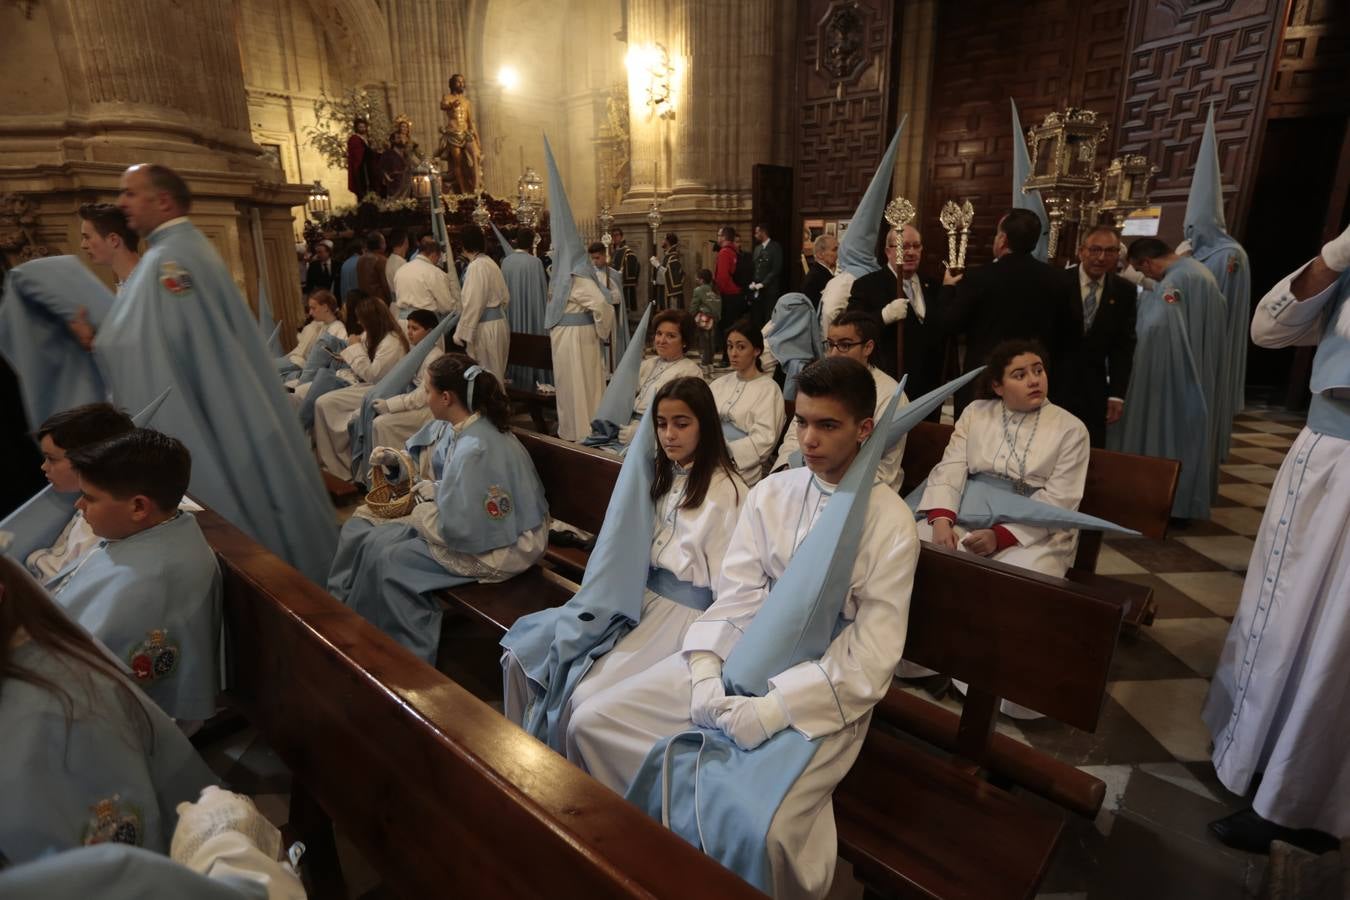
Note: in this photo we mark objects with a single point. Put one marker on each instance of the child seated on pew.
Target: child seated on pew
(150, 591)
(60, 434)
(696, 493)
(87, 757)
(672, 333)
(749, 402)
(324, 318)
(852, 582)
(375, 342)
(1016, 440)
(486, 519)
(398, 418)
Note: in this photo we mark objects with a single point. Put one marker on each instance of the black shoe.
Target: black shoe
(1249, 832)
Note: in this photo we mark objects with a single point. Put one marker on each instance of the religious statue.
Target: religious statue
(459, 149)
(398, 161)
(361, 160)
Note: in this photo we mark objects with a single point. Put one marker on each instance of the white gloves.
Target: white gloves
(1336, 252)
(656, 263)
(381, 406)
(424, 490)
(626, 432)
(755, 286)
(750, 721)
(215, 813)
(705, 671)
(384, 456)
(894, 311)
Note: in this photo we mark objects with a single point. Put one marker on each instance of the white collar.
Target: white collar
(765, 242)
(473, 417)
(1084, 279)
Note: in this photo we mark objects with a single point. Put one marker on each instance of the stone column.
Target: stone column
(914, 74)
(426, 38)
(97, 87)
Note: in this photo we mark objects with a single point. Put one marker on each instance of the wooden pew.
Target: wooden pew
(438, 791)
(536, 352)
(1069, 630)
(1133, 491)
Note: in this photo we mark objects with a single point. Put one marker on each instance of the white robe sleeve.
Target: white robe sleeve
(304, 342)
(826, 695)
(741, 586)
(947, 480)
(834, 299)
(1281, 320)
(370, 370)
(587, 296)
(1064, 488)
(474, 299)
(762, 421)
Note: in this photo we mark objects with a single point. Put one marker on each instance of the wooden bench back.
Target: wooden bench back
(438, 791)
(577, 480)
(532, 350)
(1133, 491)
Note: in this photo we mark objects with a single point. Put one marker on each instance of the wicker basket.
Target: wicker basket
(387, 500)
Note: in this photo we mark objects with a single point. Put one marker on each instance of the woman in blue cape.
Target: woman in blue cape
(694, 491)
(486, 519)
(87, 758)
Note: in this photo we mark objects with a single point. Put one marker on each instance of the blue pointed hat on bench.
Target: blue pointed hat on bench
(715, 795)
(39, 521)
(616, 405)
(556, 647)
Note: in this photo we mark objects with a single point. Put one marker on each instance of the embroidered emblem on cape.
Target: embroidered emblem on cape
(1172, 295)
(174, 278)
(153, 658)
(113, 822)
(497, 503)
(1232, 264)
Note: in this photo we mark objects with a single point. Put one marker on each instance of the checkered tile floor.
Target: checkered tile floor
(1150, 746)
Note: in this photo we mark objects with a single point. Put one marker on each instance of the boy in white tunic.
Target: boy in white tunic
(1276, 707)
(854, 334)
(826, 700)
(483, 328)
(399, 417)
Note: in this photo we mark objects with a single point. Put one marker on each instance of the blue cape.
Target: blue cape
(795, 340)
(119, 872)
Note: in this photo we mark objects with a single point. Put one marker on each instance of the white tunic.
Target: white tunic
(487, 342)
(834, 298)
(578, 362)
(1276, 704)
(652, 375)
(689, 543)
(755, 407)
(889, 471)
(370, 370)
(304, 341)
(421, 284)
(829, 699)
(1048, 450)
(334, 410)
(391, 267)
(407, 412)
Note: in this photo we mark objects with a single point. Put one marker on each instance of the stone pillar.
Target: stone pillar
(427, 43)
(914, 74)
(97, 87)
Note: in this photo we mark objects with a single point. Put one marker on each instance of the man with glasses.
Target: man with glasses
(854, 334)
(1093, 379)
(893, 293)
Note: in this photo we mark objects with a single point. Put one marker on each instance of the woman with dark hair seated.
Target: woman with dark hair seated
(87, 757)
(672, 334)
(749, 403)
(485, 520)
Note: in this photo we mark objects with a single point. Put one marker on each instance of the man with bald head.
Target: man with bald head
(180, 323)
(824, 259)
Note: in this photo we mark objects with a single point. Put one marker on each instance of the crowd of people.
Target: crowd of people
(755, 566)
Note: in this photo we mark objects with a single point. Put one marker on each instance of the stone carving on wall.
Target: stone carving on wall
(842, 35)
(614, 153)
(18, 230)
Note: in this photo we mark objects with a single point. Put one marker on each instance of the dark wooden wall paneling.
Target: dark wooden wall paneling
(1312, 73)
(1045, 54)
(843, 123)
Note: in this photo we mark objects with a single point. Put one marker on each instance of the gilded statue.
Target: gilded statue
(459, 150)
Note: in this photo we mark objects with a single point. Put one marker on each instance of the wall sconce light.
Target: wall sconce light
(508, 78)
(650, 77)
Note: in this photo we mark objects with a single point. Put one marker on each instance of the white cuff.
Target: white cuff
(704, 665)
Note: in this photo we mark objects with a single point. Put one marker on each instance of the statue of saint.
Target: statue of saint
(459, 149)
(399, 160)
(361, 160)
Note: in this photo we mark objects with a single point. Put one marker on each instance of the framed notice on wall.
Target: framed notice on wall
(1142, 222)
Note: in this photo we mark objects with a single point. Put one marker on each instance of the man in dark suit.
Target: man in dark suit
(321, 272)
(824, 257)
(1017, 297)
(768, 262)
(905, 302)
(1091, 382)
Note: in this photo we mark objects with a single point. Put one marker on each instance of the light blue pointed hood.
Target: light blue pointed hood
(569, 251)
(501, 239)
(858, 249)
(616, 406)
(268, 327)
(798, 619)
(1205, 225)
(1021, 172)
(40, 520)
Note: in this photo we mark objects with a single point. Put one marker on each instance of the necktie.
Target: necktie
(1090, 305)
(915, 298)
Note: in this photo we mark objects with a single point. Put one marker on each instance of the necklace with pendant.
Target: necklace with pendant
(1020, 485)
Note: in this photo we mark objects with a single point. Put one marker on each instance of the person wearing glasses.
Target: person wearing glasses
(1094, 377)
(854, 334)
(896, 292)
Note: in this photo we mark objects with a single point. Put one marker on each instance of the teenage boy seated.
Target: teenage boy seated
(150, 591)
(827, 700)
(60, 434)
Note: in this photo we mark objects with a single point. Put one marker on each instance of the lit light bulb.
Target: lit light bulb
(508, 78)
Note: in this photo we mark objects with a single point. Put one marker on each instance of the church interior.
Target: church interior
(1122, 679)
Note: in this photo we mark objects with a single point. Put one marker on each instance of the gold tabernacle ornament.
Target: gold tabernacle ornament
(956, 222)
(899, 212)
